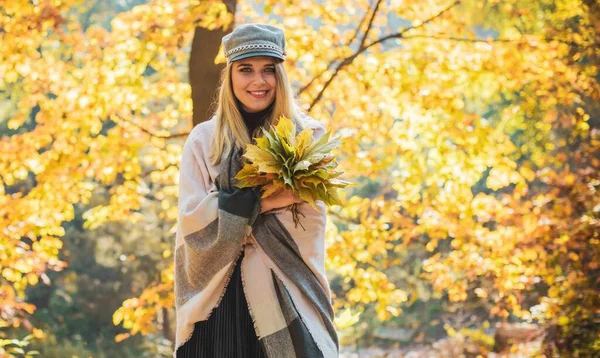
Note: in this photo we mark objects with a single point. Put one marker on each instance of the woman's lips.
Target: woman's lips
(258, 94)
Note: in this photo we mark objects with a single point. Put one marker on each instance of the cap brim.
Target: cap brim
(256, 54)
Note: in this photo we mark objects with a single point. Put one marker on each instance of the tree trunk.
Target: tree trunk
(168, 331)
(204, 74)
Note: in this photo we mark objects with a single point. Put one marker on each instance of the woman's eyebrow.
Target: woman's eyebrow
(250, 65)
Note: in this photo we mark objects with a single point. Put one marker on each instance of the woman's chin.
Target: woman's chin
(257, 107)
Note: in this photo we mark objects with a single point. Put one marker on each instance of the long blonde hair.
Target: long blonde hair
(231, 129)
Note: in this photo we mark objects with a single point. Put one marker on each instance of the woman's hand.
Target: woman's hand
(281, 199)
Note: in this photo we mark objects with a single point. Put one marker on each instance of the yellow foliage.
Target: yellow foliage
(346, 319)
(83, 124)
(458, 143)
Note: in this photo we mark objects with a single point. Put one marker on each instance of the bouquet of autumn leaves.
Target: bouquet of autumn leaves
(283, 160)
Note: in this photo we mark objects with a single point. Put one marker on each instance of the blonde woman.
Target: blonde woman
(248, 283)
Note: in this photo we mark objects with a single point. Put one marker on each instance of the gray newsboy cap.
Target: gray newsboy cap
(251, 40)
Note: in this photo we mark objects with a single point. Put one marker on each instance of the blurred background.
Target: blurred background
(470, 127)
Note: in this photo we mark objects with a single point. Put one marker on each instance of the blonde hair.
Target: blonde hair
(231, 129)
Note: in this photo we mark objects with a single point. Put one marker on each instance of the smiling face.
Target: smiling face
(254, 83)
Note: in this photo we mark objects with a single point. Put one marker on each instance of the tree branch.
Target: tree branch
(492, 40)
(366, 34)
(357, 31)
(170, 136)
(332, 62)
(363, 48)
(459, 39)
(306, 86)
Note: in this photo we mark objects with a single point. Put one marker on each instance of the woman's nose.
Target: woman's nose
(260, 78)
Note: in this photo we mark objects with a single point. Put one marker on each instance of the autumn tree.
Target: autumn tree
(460, 121)
(471, 128)
(83, 109)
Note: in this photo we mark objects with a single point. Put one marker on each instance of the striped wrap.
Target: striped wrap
(283, 266)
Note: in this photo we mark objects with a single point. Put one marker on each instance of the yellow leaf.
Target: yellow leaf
(264, 160)
(271, 188)
(118, 316)
(121, 337)
(303, 140)
(346, 319)
(285, 128)
(38, 333)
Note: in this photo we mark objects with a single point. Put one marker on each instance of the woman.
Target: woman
(248, 283)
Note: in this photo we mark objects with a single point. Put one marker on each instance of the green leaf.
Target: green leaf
(275, 147)
(302, 165)
(288, 181)
(339, 183)
(323, 144)
(308, 196)
(282, 160)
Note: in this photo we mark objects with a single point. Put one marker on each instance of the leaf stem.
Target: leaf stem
(296, 215)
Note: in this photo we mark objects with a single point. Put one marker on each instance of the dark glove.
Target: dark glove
(241, 202)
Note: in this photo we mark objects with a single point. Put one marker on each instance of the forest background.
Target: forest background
(470, 127)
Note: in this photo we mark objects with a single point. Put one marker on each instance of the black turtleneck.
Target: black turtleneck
(254, 119)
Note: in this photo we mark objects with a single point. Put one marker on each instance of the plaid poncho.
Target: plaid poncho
(283, 269)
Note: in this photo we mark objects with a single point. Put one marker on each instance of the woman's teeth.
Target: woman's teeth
(258, 94)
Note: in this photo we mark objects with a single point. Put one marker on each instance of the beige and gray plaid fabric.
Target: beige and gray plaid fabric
(282, 269)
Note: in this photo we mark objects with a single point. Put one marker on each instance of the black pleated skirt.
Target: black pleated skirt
(229, 331)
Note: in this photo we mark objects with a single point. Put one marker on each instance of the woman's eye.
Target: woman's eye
(247, 69)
